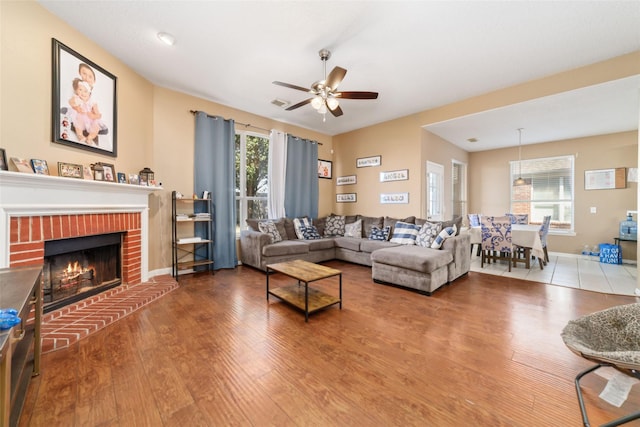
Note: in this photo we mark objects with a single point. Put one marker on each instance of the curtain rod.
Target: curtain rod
(243, 124)
(247, 125)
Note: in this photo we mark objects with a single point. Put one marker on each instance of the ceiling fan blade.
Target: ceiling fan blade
(335, 77)
(337, 112)
(299, 104)
(356, 95)
(290, 86)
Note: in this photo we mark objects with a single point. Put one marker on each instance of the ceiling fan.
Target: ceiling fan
(325, 95)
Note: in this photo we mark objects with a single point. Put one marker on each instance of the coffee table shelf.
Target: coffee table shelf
(305, 298)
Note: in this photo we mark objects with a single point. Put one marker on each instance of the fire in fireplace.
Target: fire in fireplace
(77, 268)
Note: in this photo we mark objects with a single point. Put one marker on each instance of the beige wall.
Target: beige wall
(489, 186)
(155, 127)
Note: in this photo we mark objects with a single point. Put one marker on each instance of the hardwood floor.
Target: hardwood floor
(483, 351)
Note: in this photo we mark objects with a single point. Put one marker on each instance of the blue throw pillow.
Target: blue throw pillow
(444, 235)
(310, 232)
(405, 233)
(380, 233)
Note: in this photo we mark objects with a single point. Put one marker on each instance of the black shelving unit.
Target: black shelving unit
(193, 224)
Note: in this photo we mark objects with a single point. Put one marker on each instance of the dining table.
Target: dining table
(524, 235)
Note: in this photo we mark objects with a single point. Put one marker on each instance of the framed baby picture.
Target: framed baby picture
(122, 178)
(84, 102)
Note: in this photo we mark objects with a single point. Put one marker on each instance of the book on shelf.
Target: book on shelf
(190, 240)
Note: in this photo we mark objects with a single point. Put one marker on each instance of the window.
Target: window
(548, 191)
(459, 191)
(252, 181)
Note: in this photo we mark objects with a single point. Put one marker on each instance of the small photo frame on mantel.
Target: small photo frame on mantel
(325, 169)
(70, 170)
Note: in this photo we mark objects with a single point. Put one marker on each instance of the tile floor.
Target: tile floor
(572, 271)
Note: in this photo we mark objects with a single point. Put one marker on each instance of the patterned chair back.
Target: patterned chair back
(518, 218)
(544, 229)
(496, 233)
(474, 220)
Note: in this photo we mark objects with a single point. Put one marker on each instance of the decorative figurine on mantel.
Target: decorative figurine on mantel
(98, 172)
(146, 175)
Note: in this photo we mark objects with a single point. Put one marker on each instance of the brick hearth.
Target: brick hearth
(62, 328)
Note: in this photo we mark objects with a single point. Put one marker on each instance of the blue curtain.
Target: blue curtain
(301, 178)
(214, 171)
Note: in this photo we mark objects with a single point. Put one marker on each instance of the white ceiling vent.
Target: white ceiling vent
(280, 103)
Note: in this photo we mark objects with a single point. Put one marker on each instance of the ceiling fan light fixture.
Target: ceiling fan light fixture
(322, 109)
(332, 103)
(317, 102)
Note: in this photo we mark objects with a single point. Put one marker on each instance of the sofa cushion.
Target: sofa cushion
(368, 222)
(286, 247)
(310, 233)
(351, 243)
(428, 233)
(320, 244)
(290, 229)
(405, 233)
(253, 225)
(354, 229)
(380, 233)
(269, 227)
(320, 223)
(334, 226)
(369, 246)
(444, 235)
(415, 258)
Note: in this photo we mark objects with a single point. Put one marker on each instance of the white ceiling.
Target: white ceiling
(417, 54)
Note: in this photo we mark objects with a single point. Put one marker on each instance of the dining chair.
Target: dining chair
(518, 218)
(474, 221)
(544, 230)
(496, 239)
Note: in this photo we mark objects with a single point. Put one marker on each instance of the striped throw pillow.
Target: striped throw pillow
(405, 233)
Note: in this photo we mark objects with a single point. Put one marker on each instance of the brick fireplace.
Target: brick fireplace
(38, 208)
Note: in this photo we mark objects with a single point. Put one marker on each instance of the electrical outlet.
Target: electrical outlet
(593, 209)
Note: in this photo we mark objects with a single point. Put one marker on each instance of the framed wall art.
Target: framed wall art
(70, 170)
(84, 102)
(399, 175)
(605, 179)
(325, 169)
(365, 162)
(394, 198)
(346, 180)
(346, 198)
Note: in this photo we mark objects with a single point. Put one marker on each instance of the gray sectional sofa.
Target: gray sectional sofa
(419, 268)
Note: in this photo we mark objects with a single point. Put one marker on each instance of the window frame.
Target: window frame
(242, 200)
(515, 166)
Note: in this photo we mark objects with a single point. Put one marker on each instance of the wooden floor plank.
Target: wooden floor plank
(484, 350)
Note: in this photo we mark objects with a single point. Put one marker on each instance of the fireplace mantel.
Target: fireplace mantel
(23, 194)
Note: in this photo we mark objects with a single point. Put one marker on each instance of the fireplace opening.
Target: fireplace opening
(77, 268)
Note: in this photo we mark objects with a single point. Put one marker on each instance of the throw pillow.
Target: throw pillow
(354, 229)
(444, 235)
(334, 226)
(405, 233)
(380, 233)
(310, 232)
(298, 223)
(269, 227)
(428, 233)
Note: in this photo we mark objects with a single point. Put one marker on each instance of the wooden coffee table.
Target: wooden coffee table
(305, 298)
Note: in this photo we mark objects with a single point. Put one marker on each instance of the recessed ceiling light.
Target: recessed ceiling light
(167, 38)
